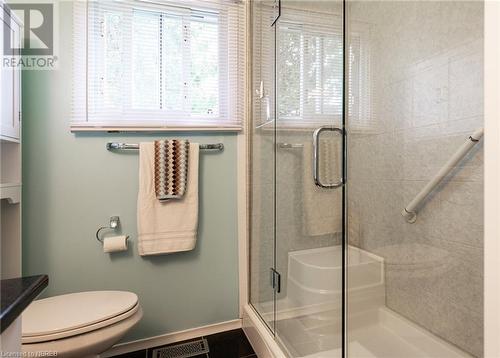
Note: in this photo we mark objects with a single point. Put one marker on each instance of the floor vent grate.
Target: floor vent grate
(183, 350)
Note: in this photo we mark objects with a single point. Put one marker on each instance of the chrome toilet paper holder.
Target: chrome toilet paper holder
(114, 223)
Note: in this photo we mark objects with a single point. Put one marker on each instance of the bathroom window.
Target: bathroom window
(310, 74)
(143, 65)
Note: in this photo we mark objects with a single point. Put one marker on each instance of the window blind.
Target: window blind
(310, 71)
(142, 64)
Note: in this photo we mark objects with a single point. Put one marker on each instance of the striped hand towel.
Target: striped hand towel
(171, 168)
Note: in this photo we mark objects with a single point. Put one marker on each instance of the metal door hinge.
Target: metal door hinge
(276, 6)
(275, 280)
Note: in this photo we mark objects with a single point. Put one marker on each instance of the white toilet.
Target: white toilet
(82, 324)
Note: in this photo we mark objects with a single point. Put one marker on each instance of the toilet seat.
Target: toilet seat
(77, 313)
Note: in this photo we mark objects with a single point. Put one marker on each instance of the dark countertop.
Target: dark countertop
(16, 294)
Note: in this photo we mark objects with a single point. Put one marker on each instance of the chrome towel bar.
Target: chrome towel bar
(290, 145)
(132, 146)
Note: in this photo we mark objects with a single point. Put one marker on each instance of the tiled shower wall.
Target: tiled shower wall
(425, 98)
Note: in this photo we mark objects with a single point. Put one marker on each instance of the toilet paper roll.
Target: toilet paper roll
(115, 243)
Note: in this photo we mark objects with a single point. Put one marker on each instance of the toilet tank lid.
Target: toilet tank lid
(75, 310)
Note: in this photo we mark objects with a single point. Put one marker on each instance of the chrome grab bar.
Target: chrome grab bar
(316, 158)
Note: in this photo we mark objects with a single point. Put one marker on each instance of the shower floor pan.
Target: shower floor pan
(309, 316)
(380, 333)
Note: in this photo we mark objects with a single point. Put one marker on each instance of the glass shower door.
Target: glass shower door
(262, 161)
(414, 94)
(308, 175)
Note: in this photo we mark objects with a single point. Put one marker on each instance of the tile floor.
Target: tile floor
(230, 344)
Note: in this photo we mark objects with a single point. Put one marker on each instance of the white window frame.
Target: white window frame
(232, 75)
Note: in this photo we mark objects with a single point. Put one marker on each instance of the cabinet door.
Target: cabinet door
(10, 87)
(17, 96)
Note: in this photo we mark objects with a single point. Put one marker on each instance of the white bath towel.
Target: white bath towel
(322, 207)
(170, 226)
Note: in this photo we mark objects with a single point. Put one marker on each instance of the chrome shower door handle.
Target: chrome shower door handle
(316, 157)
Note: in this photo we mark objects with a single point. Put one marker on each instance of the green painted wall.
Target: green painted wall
(72, 185)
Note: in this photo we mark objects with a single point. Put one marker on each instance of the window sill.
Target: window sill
(152, 129)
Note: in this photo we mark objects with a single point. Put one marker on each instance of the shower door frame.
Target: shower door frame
(269, 326)
(272, 328)
(345, 113)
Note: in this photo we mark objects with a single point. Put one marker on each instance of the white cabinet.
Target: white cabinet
(10, 154)
(10, 89)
